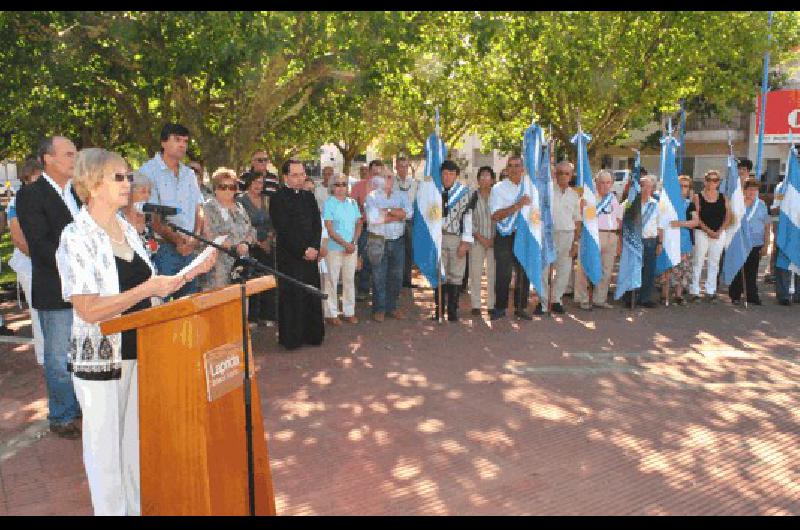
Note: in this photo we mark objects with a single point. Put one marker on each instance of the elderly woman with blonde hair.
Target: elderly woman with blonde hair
(105, 271)
(225, 216)
(140, 193)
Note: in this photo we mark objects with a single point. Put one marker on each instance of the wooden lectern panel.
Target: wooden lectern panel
(193, 456)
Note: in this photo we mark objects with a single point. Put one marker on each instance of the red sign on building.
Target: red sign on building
(783, 115)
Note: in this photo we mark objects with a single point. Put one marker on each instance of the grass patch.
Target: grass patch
(8, 278)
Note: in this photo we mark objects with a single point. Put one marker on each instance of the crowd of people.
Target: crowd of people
(85, 252)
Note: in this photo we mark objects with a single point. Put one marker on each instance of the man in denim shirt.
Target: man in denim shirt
(175, 184)
(386, 212)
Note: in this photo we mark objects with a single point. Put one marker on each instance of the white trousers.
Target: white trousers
(608, 254)
(478, 255)
(562, 239)
(341, 264)
(705, 246)
(111, 441)
(25, 278)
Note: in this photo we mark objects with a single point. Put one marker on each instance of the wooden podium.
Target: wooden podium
(193, 452)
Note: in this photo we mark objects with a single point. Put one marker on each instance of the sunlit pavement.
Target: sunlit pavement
(680, 410)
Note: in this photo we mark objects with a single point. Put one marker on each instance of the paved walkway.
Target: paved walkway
(691, 410)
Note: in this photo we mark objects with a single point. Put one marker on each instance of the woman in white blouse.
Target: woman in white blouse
(105, 271)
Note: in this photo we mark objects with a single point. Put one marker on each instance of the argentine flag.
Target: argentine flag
(528, 241)
(671, 206)
(537, 163)
(737, 235)
(630, 261)
(788, 238)
(589, 253)
(427, 232)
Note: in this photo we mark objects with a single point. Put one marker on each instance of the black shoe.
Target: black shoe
(5, 330)
(476, 312)
(538, 310)
(649, 305)
(558, 308)
(736, 302)
(497, 314)
(70, 430)
(785, 302)
(522, 314)
(755, 302)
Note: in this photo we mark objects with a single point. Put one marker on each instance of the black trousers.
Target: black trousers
(263, 305)
(750, 274)
(505, 262)
(409, 261)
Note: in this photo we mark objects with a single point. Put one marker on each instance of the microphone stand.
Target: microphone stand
(256, 265)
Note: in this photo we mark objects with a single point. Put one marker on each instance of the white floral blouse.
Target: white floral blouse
(86, 265)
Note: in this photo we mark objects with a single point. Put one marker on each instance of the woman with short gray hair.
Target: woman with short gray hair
(140, 192)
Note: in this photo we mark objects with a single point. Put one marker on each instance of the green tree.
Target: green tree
(617, 70)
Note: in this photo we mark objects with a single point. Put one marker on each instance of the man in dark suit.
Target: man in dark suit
(44, 208)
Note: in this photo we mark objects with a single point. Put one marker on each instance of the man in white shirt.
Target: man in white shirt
(322, 190)
(652, 238)
(505, 206)
(609, 220)
(565, 208)
(405, 183)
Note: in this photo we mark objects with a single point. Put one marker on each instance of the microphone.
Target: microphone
(146, 207)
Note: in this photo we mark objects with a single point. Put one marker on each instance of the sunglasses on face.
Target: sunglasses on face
(229, 187)
(120, 177)
(712, 180)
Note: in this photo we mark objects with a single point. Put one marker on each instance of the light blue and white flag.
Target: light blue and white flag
(528, 241)
(788, 238)
(630, 261)
(589, 253)
(671, 205)
(539, 167)
(737, 235)
(427, 232)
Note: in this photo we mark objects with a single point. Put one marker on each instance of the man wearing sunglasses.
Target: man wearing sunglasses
(175, 184)
(258, 165)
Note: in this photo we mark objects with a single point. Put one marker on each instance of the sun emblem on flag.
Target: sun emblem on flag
(535, 217)
(434, 213)
(590, 213)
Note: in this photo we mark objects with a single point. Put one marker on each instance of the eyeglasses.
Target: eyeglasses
(229, 187)
(262, 160)
(340, 184)
(712, 180)
(119, 177)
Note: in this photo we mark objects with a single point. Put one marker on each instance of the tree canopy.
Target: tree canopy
(290, 81)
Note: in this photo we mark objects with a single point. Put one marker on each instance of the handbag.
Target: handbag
(375, 245)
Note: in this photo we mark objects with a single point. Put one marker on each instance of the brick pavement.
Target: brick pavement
(670, 411)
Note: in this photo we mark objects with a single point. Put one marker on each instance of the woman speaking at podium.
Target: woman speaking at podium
(105, 271)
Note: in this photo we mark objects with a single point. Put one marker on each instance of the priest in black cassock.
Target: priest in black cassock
(298, 225)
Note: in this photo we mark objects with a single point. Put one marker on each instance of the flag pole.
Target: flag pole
(439, 288)
(764, 87)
